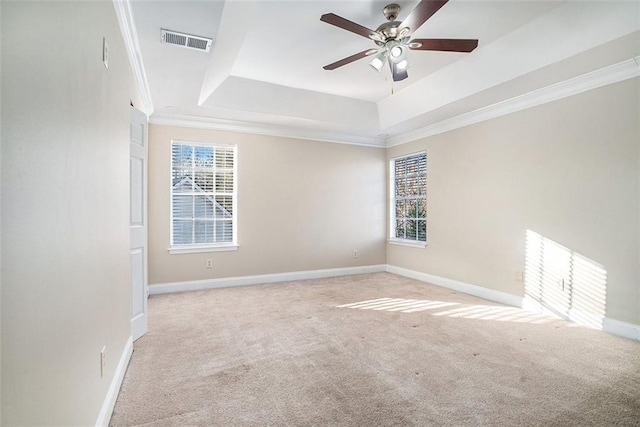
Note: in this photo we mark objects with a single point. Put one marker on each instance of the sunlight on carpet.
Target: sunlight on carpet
(452, 309)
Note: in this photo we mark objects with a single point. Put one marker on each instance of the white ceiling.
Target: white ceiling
(265, 66)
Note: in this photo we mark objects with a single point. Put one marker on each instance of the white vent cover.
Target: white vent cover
(186, 40)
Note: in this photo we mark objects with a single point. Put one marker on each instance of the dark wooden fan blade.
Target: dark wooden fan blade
(349, 59)
(345, 24)
(423, 11)
(397, 74)
(448, 45)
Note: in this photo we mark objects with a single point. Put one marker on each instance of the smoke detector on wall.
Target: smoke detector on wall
(188, 41)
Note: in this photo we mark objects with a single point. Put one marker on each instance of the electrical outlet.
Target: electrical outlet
(355, 253)
(105, 53)
(561, 284)
(209, 263)
(520, 276)
(103, 360)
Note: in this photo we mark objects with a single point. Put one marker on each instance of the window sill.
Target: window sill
(198, 249)
(410, 243)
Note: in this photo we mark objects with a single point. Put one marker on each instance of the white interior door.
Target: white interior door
(138, 222)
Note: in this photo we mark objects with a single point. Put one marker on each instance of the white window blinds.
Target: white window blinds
(409, 197)
(203, 194)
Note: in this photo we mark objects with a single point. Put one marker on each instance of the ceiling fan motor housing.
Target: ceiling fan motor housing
(388, 31)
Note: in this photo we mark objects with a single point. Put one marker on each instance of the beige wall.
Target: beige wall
(302, 205)
(65, 169)
(567, 170)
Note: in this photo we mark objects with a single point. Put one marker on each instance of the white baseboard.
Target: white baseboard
(467, 288)
(623, 329)
(197, 285)
(114, 388)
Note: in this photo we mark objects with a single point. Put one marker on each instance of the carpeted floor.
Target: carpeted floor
(374, 349)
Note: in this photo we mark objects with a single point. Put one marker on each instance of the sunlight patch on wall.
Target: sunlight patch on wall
(563, 281)
(452, 309)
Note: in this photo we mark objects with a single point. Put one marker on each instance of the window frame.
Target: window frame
(205, 247)
(392, 204)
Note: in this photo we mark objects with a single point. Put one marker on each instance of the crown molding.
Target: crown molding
(612, 74)
(130, 37)
(200, 122)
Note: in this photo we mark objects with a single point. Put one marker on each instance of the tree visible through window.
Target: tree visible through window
(409, 197)
(203, 194)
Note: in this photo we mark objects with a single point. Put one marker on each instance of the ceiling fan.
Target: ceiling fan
(393, 38)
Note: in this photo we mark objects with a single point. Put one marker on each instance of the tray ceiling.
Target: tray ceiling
(265, 65)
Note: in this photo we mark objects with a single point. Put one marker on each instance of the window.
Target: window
(203, 197)
(409, 199)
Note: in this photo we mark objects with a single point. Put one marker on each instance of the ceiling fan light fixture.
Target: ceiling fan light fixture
(397, 52)
(378, 62)
(402, 65)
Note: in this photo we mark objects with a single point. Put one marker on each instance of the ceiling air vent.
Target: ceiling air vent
(186, 40)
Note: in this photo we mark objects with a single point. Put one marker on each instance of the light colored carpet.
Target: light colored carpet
(304, 353)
